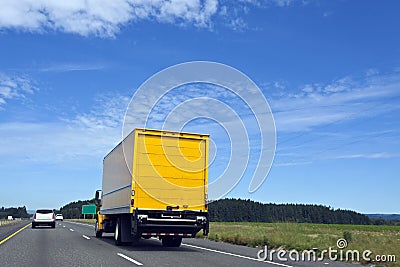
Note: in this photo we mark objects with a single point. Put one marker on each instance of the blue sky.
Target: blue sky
(330, 71)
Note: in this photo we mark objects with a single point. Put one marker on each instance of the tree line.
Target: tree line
(19, 212)
(238, 210)
(73, 210)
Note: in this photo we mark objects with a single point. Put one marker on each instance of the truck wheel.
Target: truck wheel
(171, 241)
(117, 234)
(98, 232)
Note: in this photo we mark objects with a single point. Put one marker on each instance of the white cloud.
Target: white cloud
(238, 24)
(101, 17)
(14, 87)
(105, 18)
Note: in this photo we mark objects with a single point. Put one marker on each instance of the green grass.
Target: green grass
(381, 240)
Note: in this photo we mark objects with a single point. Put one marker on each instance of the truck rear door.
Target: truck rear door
(170, 170)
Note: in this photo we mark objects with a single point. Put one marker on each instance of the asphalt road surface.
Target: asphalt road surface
(74, 244)
(9, 229)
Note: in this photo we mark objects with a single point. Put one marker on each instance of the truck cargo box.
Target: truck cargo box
(155, 184)
(156, 169)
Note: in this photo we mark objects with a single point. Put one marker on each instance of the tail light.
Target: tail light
(34, 216)
(52, 216)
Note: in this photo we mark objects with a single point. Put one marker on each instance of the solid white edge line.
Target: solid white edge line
(129, 259)
(236, 255)
(86, 237)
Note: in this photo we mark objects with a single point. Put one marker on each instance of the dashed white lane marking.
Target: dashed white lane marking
(86, 237)
(236, 255)
(84, 224)
(63, 226)
(71, 229)
(130, 259)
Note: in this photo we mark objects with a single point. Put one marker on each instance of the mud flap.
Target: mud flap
(126, 229)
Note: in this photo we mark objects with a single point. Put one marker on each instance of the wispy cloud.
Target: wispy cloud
(317, 104)
(234, 14)
(71, 67)
(264, 3)
(107, 112)
(381, 155)
(291, 163)
(106, 18)
(329, 121)
(85, 135)
(14, 87)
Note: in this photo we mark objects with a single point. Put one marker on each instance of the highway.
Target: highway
(74, 244)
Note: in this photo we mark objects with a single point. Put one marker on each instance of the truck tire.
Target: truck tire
(99, 233)
(171, 241)
(117, 234)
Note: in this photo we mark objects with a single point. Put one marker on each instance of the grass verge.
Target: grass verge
(381, 240)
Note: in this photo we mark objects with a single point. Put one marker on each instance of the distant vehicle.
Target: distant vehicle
(9, 217)
(44, 217)
(59, 217)
(165, 194)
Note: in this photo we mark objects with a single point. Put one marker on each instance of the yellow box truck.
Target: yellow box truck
(155, 185)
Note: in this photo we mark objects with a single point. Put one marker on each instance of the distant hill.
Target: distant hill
(389, 217)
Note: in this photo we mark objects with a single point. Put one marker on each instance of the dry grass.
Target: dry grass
(7, 222)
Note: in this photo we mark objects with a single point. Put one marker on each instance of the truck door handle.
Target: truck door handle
(172, 207)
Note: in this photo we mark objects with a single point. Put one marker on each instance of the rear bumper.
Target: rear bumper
(43, 222)
(169, 229)
(169, 223)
